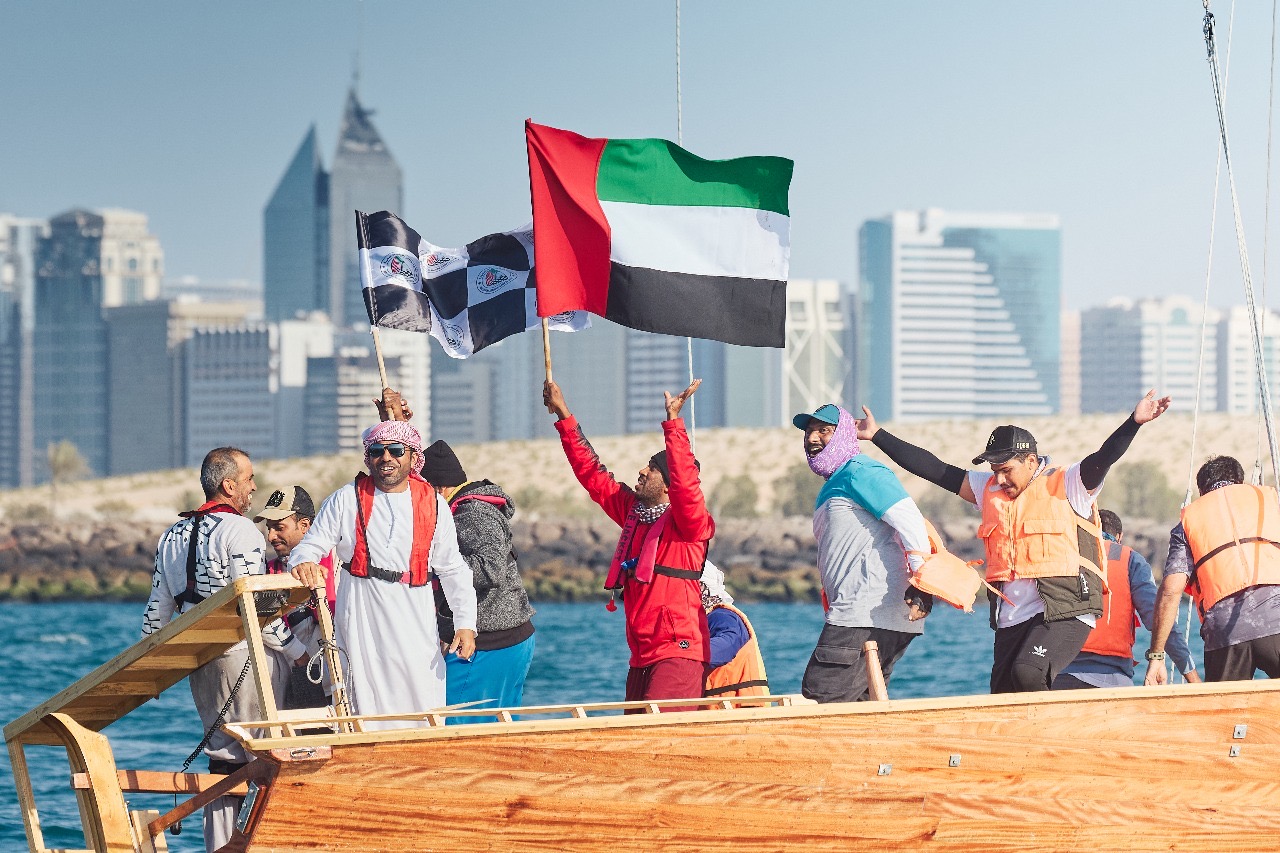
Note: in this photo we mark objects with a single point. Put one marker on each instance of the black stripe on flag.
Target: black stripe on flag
(398, 307)
(448, 291)
(744, 311)
(498, 250)
(385, 229)
(497, 318)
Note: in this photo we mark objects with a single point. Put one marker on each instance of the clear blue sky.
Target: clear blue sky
(1101, 113)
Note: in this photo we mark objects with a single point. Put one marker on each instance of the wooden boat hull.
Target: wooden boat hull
(1128, 769)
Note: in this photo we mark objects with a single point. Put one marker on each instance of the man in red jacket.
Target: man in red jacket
(657, 565)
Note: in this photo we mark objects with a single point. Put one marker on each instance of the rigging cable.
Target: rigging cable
(688, 341)
(1260, 367)
(1266, 229)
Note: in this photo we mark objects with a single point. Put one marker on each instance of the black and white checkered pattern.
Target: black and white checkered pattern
(467, 298)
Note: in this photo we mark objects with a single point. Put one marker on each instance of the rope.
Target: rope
(176, 829)
(1266, 230)
(688, 342)
(1264, 390)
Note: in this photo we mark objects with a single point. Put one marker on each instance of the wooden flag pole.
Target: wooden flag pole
(377, 348)
(546, 348)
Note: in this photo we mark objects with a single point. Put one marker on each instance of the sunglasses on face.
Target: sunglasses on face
(374, 451)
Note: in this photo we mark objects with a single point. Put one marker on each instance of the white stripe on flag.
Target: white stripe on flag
(724, 241)
(389, 265)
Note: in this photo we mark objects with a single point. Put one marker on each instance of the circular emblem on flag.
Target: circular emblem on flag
(491, 279)
(453, 334)
(562, 317)
(436, 260)
(399, 265)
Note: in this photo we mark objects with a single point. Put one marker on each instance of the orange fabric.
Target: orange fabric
(1114, 634)
(1038, 534)
(946, 576)
(424, 528)
(746, 667)
(1216, 526)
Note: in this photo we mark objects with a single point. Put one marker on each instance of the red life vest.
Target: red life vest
(424, 529)
(1114, 634)
(744, 675)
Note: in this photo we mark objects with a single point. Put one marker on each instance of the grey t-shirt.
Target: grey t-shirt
(1250, 614)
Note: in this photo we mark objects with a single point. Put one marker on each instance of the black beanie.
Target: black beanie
(659, 462)
(440, 466)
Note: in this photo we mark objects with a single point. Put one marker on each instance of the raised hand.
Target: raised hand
(553, 399)
(676, 403)
(393, 407)
(867, 426)
(1149, 408)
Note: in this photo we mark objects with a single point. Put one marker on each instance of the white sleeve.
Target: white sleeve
(326, 528)
(905, 518)
(455, 576)
(247, 550)
(1080, 498)
(160, 604)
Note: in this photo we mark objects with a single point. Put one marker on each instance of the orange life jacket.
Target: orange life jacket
(1114, 634)
(1234, 536)
(424, 530)
(946, 576)
(1038, 534)
(744, 675)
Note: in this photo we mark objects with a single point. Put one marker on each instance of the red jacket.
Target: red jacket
(665, 618)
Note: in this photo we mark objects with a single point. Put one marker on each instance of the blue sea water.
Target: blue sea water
(581, 657)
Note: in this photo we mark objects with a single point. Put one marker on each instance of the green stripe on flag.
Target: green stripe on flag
(654, 171)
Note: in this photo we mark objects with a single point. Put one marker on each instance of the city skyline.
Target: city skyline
(1108, 124)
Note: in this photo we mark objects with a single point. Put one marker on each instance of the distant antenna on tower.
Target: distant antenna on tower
(355, 59)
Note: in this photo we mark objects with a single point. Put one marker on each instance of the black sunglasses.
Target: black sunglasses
(374, 451)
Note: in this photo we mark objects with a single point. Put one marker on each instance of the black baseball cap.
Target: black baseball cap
(1006, 442)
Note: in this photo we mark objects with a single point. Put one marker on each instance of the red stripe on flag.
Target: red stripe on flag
(570, 232)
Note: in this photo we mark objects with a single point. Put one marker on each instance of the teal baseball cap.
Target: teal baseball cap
(828, 414)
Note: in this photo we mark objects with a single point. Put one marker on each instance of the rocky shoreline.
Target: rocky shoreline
(561, 559)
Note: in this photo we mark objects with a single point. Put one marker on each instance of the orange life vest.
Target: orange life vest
(744, 675)
(1114, 634)
(946, 576)
(1234, 536)
(1038, 534)
(424, 530)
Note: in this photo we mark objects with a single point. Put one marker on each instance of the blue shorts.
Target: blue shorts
(497, 675)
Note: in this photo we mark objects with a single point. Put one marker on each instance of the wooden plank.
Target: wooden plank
(158, 782)
(258, 658)
(26, 796)
(103, 813)
(146, 842)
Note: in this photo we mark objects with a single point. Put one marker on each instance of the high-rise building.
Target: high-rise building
(816, 368)
(959, 314)
(231, 376)
(90, 261)
(295, 237)
(1128, 348)
(18, 239)
(145, 374)
(364, 177)
(1237, 368)
(339, 390)
(300, 340)
(1069, 370)
(654, 364)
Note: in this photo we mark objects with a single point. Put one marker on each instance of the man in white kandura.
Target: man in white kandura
(391, 534)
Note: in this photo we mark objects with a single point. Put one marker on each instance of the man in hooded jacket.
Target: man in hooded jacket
(482, 514)
(867, 528)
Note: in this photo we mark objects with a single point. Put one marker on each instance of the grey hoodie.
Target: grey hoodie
(484, 538)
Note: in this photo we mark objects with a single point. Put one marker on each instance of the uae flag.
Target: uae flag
(645, 234)
(467, 298)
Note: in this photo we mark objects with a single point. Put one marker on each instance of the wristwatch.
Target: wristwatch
(1155, 655)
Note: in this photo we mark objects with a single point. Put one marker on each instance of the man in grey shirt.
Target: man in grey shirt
(870, 536)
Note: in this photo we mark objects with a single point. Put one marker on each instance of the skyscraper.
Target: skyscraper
(1237, 370)
(364, 177)
(18, 239)
(1128, 348)
(960, 314)
(295, 237)
(90, 261)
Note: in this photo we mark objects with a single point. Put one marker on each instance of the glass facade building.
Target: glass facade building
(960, 314)
(295, 237)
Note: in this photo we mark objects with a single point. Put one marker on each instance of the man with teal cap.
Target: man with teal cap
(870, 537)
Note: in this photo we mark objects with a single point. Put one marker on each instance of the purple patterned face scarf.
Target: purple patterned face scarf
(842, 447)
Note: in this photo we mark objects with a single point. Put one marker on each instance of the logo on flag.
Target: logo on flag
(435, 260)
(398, 265)
(492, 280)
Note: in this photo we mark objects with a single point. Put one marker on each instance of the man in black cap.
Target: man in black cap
(482, 514)
(1043, 541)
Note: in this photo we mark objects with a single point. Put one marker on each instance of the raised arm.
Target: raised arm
(1094, 467)
(613, 497)
(915, 460)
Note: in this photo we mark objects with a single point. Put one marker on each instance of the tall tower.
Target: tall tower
(364, 177)
(295, 237)
(960, 314)
(18, 239)
(90, 261)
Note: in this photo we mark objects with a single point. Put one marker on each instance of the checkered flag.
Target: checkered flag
(467, 298)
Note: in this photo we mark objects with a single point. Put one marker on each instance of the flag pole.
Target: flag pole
(546, 348)
(377, 348)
